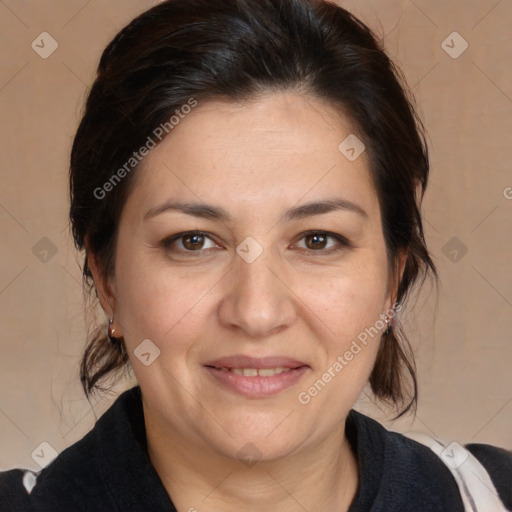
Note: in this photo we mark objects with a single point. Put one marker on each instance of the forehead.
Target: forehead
(280, 147)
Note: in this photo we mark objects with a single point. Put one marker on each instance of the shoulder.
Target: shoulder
(67, 483)
(399, 474)
(15, 487)
(108, 469)
(74, 480)
(412, 477)
(498, 463)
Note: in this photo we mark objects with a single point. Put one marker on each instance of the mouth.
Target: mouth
(255, 372)
(255, 363)
(256, 377)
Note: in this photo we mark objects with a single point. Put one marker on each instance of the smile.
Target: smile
(255, 382)
(254, 372)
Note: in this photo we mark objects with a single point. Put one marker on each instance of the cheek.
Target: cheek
(154, 302)
(350, 300)
(351, 310)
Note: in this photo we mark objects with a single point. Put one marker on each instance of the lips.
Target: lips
(256, 377)
(242, 361)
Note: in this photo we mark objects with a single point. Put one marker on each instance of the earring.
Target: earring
(389, 325)
(110, 332)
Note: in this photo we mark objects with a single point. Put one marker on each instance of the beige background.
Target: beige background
(463, 345)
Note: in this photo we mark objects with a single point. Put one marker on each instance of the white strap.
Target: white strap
(476, 488)
(29, 480)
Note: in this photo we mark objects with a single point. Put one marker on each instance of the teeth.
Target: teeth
(268, 372)
(254, 372)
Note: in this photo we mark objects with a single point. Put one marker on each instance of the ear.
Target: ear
(105, 286)
(396, 277)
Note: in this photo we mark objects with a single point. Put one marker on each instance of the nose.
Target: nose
(258, 300)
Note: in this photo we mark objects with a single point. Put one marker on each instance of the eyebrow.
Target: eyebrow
(206, 211)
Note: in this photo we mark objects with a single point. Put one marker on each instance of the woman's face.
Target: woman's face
(261, 328)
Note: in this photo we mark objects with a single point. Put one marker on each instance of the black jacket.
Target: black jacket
(109, 470)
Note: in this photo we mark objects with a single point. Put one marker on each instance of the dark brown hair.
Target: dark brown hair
(238, 49)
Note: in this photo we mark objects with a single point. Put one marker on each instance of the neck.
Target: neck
(322, 476)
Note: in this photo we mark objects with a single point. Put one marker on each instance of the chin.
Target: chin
(259, 438)
(250, 452)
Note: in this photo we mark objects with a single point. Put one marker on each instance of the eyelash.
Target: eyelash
(343, 243)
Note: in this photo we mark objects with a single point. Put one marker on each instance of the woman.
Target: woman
(246, 182)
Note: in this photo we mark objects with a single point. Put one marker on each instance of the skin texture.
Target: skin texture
(254, 159)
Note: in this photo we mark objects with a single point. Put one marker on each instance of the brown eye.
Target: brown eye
(324, 242)
(316, 241)
(193, 242)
